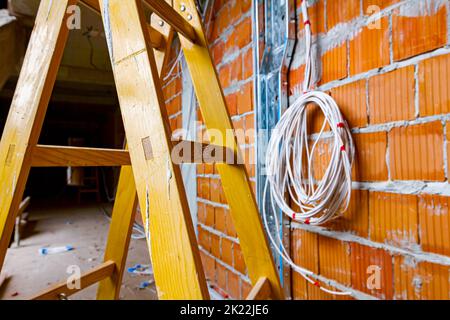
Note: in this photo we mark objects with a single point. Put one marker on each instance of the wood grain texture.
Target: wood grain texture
(55, 156)
(188, 151)
(124, 210)
(28, 109)
(156, 38)
(57, 291)
(174, 251)
(121, 227)
(236, 185)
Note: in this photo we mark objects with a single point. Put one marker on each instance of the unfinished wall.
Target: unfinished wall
(229, 30)
(390, 77)
(389, 74)
(230, 36)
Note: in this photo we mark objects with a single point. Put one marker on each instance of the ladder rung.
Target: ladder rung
(188, 152)
(56, 156)
(203, 153)
(172, 17)
(60, 290)
(156, 38)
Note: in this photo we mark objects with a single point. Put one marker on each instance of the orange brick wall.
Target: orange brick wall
(230, 36)
(392, 85)
(219, 247)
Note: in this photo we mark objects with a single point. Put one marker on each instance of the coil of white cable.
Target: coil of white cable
(289, 163)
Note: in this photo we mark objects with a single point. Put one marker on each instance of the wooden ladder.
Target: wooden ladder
(149, 177)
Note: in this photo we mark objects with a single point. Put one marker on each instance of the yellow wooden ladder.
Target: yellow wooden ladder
(148, 176)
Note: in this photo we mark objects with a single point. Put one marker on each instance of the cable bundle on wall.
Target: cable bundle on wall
(289, 163)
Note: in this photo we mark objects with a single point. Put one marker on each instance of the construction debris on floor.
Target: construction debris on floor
(45, 257)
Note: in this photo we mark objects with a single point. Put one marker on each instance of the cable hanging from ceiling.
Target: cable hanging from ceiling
(291, 185)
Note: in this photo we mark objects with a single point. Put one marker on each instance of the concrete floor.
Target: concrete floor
(85, 228)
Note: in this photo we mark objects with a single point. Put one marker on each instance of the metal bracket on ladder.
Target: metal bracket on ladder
(137, 59)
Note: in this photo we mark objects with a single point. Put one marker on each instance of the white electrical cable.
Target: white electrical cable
(289, 164)
(175, 64)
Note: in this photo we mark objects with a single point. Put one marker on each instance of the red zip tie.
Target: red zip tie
(308, 221)
(293, 216)
(220, 291)
(317, 284)
(343, 148)
(307, 22)
(341, 125)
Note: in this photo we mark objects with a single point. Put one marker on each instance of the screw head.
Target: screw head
(161, 23)
(183, 8)
(189, 17)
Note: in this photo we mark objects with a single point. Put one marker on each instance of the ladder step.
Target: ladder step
(185, 152)
(156, 38)
(56, 156)
(172, 17)
(61, 291)
(196, 152)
